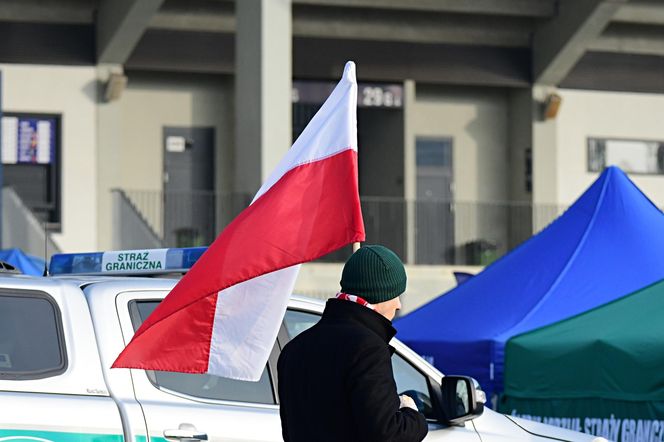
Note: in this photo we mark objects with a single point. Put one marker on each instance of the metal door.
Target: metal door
(433, 208)
(189, 200)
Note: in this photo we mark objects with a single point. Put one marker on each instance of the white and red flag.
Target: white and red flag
(223, 317)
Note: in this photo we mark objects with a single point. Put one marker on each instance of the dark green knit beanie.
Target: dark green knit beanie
(374, 273)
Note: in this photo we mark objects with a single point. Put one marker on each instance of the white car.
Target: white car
(59, 336)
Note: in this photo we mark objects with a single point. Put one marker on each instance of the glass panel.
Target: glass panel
(30, 337)
(646, 157)
(410, 381)
(297, 322)
(218, 388)
(430, 152)
(596, 155)
(204, 385)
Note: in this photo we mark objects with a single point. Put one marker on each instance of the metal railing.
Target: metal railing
(21, 227)
(423, 231)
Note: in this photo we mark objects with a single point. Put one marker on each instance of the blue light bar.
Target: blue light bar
(126, 262)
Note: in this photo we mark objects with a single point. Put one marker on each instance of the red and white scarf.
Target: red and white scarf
(354, 298)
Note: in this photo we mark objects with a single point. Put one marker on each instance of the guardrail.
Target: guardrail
(422, 231)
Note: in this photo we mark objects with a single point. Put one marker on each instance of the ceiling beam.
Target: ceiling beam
(617, 72)
(221, 18)
(120, 25)
(410, 26)
(559, 43)
(625, 38)
(178, 51)
(529, 8)
(63, 11)
(647, 13)
(370, 25)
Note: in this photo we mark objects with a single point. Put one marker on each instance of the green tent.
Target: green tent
(601, 372)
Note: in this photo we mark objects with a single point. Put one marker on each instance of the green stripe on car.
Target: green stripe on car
(56, 436)
(152, 439)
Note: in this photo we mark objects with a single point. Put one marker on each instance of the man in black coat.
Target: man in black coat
(335, 379)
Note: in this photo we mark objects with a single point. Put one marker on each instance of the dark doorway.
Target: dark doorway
(380, 135)
(189, 198)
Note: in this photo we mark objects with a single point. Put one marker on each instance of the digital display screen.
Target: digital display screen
(28, 140)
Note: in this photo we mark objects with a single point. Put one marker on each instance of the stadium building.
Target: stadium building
(151, 123)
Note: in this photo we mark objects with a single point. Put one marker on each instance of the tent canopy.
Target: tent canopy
(27, 264)
(608, 244)
(615, 351)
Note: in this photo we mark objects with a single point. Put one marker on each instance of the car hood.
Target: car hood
(553, 432)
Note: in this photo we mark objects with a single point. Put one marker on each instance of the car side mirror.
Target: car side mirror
(460, 400)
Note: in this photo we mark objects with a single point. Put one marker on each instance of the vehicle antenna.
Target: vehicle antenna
(45, 251)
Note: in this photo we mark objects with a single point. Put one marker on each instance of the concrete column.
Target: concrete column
(263, 83)
(109, 139)
(2, 183)
(410, 168)
(520, 136)
(545, 162)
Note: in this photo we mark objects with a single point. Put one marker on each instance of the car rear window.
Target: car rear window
(31, 337)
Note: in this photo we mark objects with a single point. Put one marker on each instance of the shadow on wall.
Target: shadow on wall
(93, 89)
(488, 226)
(21, 229)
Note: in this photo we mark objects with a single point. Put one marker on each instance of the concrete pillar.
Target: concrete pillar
(2, 183)
(263, 83)
(545, 162)
(109, 139)
(520, 130)
(410, 168)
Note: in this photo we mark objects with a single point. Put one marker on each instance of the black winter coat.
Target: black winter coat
(336, 382)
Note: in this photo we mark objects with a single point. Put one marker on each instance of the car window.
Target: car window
(412, 382)
(297, 321)
(204, 385)
(409, 380)
(31, 337)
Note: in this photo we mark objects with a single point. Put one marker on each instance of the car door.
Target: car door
(408, 377)
(51, 383)
(194, 406)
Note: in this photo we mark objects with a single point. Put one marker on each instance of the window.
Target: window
(204, 385)
(31, 336)
(31, 162)
(297, 322)
(410, 381)
(646, 157)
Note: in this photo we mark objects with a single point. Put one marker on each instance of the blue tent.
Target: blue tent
(608, 244)
(27, 264)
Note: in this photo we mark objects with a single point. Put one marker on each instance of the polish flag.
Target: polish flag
(223, 316)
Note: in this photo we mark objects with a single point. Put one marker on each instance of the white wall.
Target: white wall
(150, 102)
(476, 120)
(72, 93)
(604, 115)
